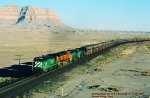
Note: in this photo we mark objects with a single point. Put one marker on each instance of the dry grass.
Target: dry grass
(35, 42)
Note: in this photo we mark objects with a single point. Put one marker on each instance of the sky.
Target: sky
(128, 15)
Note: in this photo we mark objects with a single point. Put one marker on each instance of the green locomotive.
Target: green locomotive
(44, 63)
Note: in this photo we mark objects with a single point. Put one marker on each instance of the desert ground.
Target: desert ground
(30, 42)
(123, 69)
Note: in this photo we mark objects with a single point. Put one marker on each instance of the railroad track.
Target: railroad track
(3, 84)
(19, 87)
(23, 85)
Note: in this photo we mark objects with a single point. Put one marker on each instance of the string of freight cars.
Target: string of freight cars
(56, 61)
(48, 62)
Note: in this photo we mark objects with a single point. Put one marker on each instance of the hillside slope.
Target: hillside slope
(12, 15)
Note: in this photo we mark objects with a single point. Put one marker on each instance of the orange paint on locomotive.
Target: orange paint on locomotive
(64, 57)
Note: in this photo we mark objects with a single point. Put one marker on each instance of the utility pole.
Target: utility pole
(19, 58)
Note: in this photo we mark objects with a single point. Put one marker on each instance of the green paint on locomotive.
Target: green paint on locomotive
(44, 63)
(74, 55)
(77, 53)
(48, 62)
(81, 52)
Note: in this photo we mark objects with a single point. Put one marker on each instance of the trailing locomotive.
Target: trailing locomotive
(48, 62)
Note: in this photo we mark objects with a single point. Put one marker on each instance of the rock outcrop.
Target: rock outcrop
(12, 15)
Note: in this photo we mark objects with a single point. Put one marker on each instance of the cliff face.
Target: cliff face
(28, 16)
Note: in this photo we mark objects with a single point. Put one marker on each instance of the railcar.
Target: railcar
(94, 48)
(125, 40)
(147, 39)
(103, 45)
(107, 44)
(111, 43)
(142, 39)
(97, 47)
(118, 41)
(100, 46)
(134, 39)
(89, 49)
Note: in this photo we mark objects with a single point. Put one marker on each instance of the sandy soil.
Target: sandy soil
(34, 42)
(30, 42)
(126, 71)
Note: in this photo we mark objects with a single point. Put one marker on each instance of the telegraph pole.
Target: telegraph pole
(19, 58)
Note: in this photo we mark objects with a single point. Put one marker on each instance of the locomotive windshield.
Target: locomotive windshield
(38, 59)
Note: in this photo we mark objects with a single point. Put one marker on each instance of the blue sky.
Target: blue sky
(128, 15)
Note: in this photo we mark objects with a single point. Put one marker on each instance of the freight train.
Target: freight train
(48, 62)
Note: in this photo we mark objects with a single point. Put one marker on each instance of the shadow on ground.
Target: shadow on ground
(17, 71)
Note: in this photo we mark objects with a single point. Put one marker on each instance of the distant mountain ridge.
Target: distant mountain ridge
(28, 16)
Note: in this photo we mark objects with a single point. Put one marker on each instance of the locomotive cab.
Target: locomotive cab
(37, 65)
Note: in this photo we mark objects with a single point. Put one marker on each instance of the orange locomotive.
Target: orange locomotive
(63, 57)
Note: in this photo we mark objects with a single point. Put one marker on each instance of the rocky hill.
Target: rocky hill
(13, 15)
